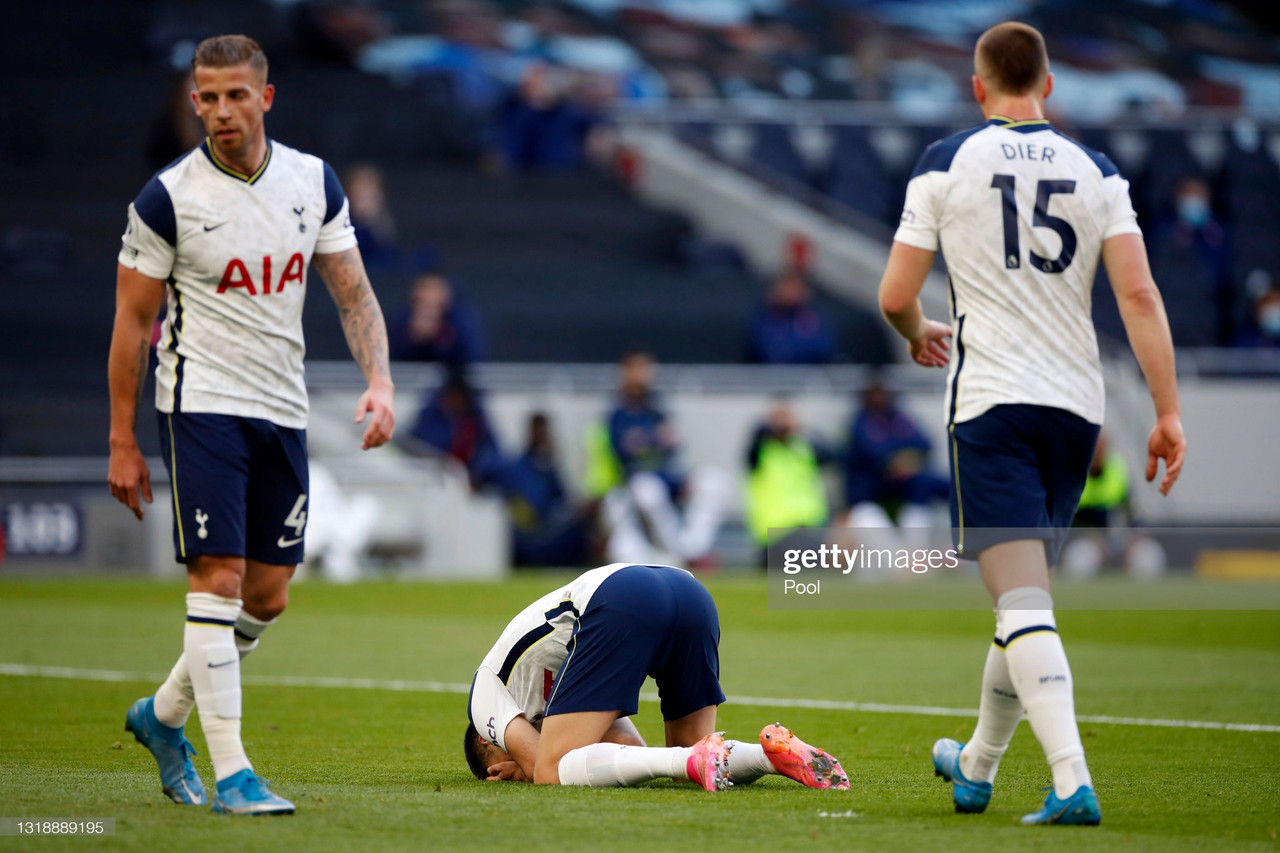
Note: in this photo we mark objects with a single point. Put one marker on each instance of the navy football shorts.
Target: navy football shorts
(1017, 473)
(642, 621)
(239, 486)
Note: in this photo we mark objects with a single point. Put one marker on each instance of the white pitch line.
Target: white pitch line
(26, 670)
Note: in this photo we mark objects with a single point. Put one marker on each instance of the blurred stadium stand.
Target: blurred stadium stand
(731, 139)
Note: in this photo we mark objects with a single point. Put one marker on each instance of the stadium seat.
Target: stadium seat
(774, 150)
(858, 178)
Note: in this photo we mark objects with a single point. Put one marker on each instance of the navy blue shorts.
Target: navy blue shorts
(1018, 472)
(239, 487)
(642, 621)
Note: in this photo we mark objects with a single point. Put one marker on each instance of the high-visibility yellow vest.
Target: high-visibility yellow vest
(604, 470)
(1109, 489)
(785, 489)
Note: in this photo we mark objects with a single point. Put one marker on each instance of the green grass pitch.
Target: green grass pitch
(380, 769)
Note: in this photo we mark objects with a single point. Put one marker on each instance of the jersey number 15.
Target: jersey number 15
(1040, 218)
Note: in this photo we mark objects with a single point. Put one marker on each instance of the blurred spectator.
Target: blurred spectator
(371, 217)
(453, 422)
(645, 447)
(1104, 507)
(437, 325)
(784, 476)
(177, 129)
(1189, 259)
(1265, 328)
(788, 329)
(546, 529)
(541, 129)
(886, 466)
(639, 432)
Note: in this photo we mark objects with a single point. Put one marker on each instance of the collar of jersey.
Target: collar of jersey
(207, 148)
(1030, 125)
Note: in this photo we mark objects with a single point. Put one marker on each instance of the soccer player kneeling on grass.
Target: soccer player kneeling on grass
(551, 701)
(1023, 214)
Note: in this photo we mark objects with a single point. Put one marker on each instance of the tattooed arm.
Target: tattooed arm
(366, 331)
(137, 304)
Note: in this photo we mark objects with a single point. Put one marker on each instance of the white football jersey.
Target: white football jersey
(235, 250)
(1020, 213)
(517, 675)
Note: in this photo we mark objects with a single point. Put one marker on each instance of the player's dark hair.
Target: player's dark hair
(229, 51)
(1012, 58)
(471, 747)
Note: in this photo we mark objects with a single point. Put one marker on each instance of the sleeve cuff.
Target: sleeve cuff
(917, 238)
(1129, 227)
(491, 708)
(131, 258)
(336, 244)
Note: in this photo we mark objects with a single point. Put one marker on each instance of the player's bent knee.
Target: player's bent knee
(224, 584)
(267, 606)
(266, 590)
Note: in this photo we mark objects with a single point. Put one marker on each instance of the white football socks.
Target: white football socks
(248, 629)
(607, 765)
(1042, 679)
(213, 663)
(610, 765)
(176, 698)
(747, 762)
(998, 714)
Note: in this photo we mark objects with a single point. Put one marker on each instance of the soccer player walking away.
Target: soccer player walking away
(225, 233)
(1022, 214)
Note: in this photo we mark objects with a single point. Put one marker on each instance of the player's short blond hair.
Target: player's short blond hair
(1011, 57)
(229, 51)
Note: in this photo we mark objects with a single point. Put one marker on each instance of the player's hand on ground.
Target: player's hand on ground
(930, 346)
(1168, 443)
(506, 771)
(378, 403)
(127, 475)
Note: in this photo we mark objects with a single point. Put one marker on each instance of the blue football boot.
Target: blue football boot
(969, 797)
(244, 793)
(171, 750)
(1079, 809)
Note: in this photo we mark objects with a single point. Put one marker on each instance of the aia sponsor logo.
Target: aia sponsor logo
(237, 275)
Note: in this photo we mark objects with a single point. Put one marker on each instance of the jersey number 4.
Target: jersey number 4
(1041, 219)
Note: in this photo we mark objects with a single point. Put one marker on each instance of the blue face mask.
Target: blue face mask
(1194, 211)
(1269, 321)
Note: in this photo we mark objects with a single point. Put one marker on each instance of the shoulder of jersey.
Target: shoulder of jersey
(287, 154)
(316, 168)
(1102, 161)
(178, 169)
(938, 156)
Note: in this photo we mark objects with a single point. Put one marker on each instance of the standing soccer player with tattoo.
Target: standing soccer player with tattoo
(1023, 214)
(225, 234)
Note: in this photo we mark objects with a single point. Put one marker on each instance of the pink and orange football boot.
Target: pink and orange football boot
(708, 765)
(795, 759)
